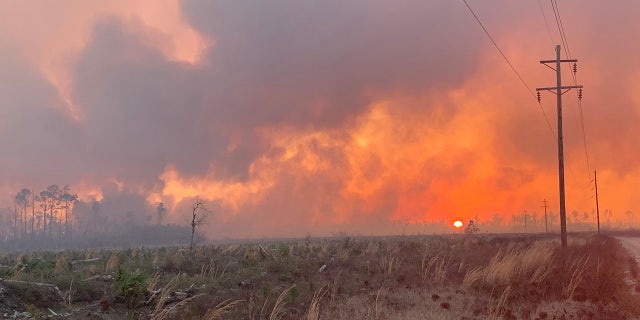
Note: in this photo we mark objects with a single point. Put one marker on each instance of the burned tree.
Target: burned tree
(197, 218)
(161, 210)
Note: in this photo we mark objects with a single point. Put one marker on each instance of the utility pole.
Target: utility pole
(559, 92)
(525, 221)
(595, 179)
(546, 224)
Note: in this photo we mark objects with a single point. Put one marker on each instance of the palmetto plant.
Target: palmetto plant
(130, 286)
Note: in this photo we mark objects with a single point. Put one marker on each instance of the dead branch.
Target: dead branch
(266, 254)
(74, 262)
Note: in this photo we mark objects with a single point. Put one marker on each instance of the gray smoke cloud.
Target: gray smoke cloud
(308, 66)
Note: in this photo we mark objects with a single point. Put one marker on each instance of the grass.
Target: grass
(478, 277)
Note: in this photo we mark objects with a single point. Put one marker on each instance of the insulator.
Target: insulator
(539, 98)
(575, 67)
(580, 93)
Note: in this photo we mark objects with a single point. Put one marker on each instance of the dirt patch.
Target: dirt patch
(10, 303)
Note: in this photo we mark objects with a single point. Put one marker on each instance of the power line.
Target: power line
(498, 48)
(495, 44)
(546, 22)
(584, 137)
(563, 37)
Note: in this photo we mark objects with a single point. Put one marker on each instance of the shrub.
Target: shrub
(130, 286)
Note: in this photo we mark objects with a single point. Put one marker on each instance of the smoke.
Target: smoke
(292, 117)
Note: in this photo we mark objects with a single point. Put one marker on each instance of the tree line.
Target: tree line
(44, 214)
(55, 217)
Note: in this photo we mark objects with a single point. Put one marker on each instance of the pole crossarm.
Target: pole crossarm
(561, 88)
(556, 61)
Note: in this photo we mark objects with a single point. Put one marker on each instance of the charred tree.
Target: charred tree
(197, 218)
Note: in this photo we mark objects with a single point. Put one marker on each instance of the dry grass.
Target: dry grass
(532, 263)
(498, 311)
(278, 308)
(434, 270)
(384, 278)
(114, 262)
(221, 309)
(162, 311)
(389, 263)
(170, 312)
(62, 264)
(314, 307)
(577, 270)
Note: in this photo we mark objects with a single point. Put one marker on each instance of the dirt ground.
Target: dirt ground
(632, 244)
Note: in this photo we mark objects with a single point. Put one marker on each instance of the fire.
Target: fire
(458, 224)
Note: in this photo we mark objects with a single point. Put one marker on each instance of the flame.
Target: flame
(383, 150)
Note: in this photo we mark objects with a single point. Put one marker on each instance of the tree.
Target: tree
(607, 214)
(197, 218)
(471, 229)
(629, 215)
(161, 210)
(68, 200)
(50, 200)
(22, 201)
(95, 209)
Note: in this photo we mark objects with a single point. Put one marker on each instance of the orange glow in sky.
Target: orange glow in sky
(282, 122)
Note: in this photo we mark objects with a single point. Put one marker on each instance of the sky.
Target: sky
(293, 117)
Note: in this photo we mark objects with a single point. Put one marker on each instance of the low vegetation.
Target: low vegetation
(417, 277)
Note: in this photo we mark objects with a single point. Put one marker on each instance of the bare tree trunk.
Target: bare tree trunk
(193, 231)
(44, 218)
(15, 220)
(66, 218)
(33, 212)
(196, 220)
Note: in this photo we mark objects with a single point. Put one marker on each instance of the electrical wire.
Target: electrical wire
(546, 23)
(584, 137)
(565, 43)
(495, 44)
(563, 36)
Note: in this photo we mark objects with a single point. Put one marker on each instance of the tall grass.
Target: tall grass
(434, 270)
(221, 309)
(278, 308)
(532, 264)
(314, 308)
(577, 270)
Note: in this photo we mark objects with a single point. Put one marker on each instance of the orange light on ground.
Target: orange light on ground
(458, 224)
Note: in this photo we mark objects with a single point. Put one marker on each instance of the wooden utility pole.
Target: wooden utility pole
(546, 224)
(525, 221)
(595, 180)
(559, 92)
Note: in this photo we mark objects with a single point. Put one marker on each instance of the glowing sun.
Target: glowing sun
(458, 224)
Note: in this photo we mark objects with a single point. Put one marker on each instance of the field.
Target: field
(404, 277)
